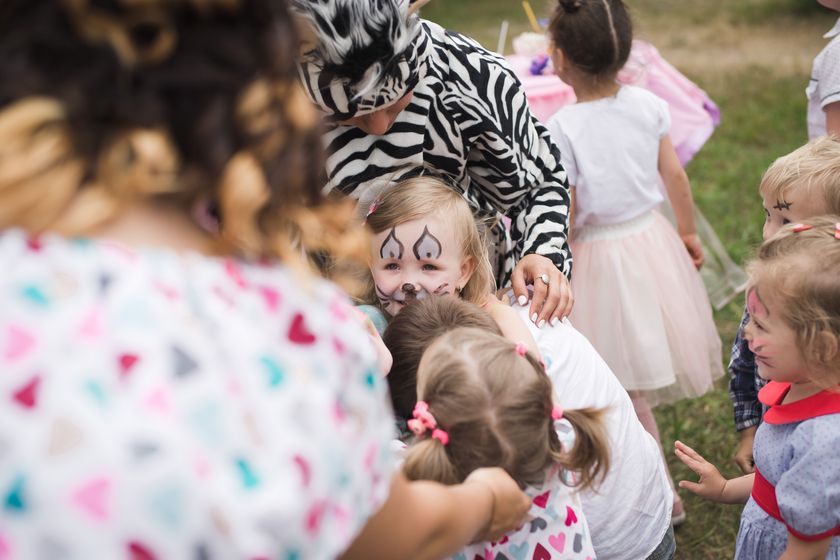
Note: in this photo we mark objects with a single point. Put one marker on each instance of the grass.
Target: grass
(763, 117)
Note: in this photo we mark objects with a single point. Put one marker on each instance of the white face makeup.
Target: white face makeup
(417, 259)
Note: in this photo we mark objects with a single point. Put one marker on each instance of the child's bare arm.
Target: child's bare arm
(797, 549)
(712, 485)
(679, 193)
(512, 327)
(426, 520)
(832, 118)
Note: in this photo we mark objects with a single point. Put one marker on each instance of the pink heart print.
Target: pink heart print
(542, 499)
(558, 542)
(571, 517)
(541, 553)
(298, 332)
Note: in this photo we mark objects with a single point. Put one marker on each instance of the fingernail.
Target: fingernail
(542, 324)
(554, 321)
(522, 300)
(534, 318)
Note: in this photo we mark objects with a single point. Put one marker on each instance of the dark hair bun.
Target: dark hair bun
(571, 6)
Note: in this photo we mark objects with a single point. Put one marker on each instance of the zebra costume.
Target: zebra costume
(468, 120)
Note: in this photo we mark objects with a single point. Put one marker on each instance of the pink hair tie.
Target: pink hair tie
(423, 419)
(801, 227)
(557, 412)
(372, 208)
(441, 436)
(837, 230)
(521, 348)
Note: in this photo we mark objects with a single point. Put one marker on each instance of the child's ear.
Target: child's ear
(468, 266)
(827, 347)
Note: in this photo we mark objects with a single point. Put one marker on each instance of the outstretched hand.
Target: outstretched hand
(711, 483)
(552, 301)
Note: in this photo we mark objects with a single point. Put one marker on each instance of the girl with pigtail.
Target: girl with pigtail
(485, 401)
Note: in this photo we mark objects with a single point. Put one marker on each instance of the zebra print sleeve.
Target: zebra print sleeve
(512, 158)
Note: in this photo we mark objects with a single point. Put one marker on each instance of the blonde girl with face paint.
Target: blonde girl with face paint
(426, 242)
(793, 497)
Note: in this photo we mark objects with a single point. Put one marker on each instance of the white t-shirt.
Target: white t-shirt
(610, 149)
(824, 86)
(630, 511)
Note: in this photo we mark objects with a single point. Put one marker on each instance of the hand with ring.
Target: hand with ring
(552, 300)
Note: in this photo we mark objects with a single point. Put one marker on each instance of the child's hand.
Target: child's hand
(711, 483)
(744, 451)
(510, 504)
(695, 250)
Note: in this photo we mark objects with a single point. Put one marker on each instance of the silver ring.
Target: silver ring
(545, 278)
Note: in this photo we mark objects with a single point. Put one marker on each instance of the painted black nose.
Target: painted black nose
(408, 288)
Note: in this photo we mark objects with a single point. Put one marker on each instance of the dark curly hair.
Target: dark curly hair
(104, 101)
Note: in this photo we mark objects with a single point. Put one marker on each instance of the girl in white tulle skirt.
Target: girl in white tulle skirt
(638, 296)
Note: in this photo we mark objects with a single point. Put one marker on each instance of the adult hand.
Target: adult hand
(695, 250)
(510, 504)
(552, 301)
(744, 451)
(711, 483)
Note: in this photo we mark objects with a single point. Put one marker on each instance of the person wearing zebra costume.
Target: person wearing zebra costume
(401, 94)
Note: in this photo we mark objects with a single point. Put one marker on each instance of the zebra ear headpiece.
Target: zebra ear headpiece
(361, 55)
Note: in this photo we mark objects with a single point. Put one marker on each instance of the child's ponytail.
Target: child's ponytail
(590, 455)
(427, 460)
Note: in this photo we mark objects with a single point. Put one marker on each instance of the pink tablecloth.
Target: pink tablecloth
(693, 115)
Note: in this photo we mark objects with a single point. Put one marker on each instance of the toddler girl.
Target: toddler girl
(639, 299)
(485, 401)
(793, 497)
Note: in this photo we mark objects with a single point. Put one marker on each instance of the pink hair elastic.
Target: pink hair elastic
(372, 208)
(837, 230)
(521, 348)
(797, 228)
(423, 420)
(557, 412)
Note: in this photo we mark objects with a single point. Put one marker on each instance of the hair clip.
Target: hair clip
(422, 420)
(797, 228)
(521, 348)
(557, 412)
(372, 208)
(441, 436)
(837, 230)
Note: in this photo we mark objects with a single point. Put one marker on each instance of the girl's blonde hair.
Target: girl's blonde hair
(799, 268)
(496, 406)
(813, 168)
(422, 196)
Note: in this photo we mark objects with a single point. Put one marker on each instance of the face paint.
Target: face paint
(772, 341)
(427, 247)
(391, 248)
(794, 206)
(434, 266)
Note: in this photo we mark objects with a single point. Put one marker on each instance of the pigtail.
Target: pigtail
(427, 460)
(590, 456)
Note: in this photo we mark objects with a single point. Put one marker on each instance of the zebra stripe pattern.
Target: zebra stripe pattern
(468, 120)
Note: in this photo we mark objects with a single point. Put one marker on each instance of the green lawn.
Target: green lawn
(763, 117)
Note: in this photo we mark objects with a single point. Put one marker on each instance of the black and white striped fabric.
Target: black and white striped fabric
(468, 120)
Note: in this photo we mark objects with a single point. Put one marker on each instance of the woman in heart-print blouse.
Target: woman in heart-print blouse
(176, 391)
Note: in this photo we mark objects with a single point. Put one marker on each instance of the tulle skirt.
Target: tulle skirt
(642, 304)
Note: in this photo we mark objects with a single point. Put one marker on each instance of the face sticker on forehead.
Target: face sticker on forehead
(427, 246)
(391, 248)
(754, 304)
(783, 205)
